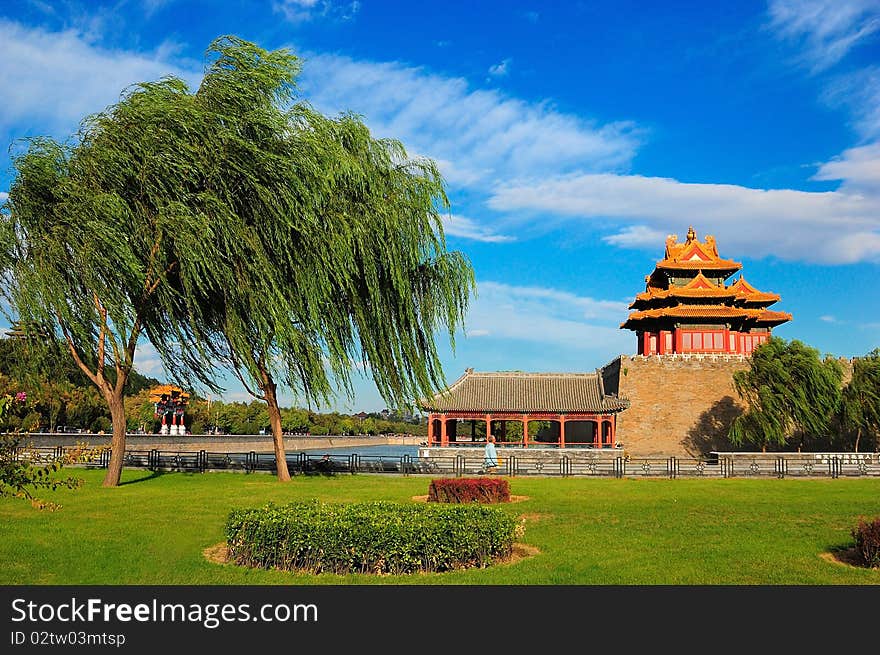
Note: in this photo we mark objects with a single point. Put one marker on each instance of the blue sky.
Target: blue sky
(573, 136)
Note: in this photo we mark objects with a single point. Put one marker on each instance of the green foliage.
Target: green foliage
(340, 239)
(860, 403)
(372, 537)
(50, 366)
(233, 224)
(792, 397)
(22, 472)
(469, 490)
(867, 540)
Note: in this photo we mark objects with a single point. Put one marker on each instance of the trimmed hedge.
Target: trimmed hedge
(469, 490)
(376, 537)
(867, 536)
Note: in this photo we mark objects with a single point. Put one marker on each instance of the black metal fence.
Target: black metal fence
(739, 465)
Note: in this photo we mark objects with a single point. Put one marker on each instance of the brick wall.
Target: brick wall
(680, 404)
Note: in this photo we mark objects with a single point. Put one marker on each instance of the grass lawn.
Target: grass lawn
(154, 528)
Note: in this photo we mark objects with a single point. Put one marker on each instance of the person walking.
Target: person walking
(490, 459)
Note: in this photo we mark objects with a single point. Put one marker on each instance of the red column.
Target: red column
(525, 422)
(677, 340)
(444, 437)
(562, 432)
(430, 429)
(488, 426)
(597, 441)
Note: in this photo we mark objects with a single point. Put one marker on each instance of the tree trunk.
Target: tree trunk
(117, 455)
(269, 388)
(858, 436)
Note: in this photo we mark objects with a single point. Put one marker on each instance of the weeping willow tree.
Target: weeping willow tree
(348, 268)
(110, 240)
(791, 396)
(104, 249)
(234, 225)
(860, 401)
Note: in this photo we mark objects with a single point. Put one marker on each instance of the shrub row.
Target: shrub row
(867, 536)
(374, 537)
(469, 490)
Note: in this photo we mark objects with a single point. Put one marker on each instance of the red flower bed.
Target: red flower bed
(469, 490)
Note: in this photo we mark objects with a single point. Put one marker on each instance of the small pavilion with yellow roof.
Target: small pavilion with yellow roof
(687, 307)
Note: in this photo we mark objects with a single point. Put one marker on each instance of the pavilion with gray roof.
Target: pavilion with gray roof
(573, 408)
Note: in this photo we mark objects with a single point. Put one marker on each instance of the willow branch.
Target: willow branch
(102, 336)
(76, 357)
(236, 368)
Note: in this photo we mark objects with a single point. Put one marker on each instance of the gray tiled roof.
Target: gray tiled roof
(525, 392)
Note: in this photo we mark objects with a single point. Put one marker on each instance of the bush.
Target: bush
(469, 490)
(867, 536)
(376, 537)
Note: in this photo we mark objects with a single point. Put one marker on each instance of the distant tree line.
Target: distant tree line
(67, 399)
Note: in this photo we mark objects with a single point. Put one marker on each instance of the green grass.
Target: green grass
(154, 527)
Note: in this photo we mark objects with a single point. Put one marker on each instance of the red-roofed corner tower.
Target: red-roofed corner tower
(687, 307)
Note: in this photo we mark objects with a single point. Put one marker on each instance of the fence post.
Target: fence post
(565, 466)
(672, 467)
(203, 461)
(727, 467)
(458, 465)
(834, 467)
(153, 459)
(511, 465)
(353, 463)
(619, 466)
(781, 467)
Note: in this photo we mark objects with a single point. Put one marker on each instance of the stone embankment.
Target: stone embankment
(230, 443)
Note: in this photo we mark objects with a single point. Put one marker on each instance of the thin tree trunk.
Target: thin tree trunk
(117, 455)
(858, 436)
(269, 388)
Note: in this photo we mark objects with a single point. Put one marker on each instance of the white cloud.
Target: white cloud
(3, 196)
(500, 70)
(636, 236)
(547, 316)
(152, 6)
(828, 227)
(857, 168)
(236, 397)
(828, 319)
(826, 29)
(461, 226)
(300, 11)
(480, 135)
(859, 93)
(54, 79)
(147, 361)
